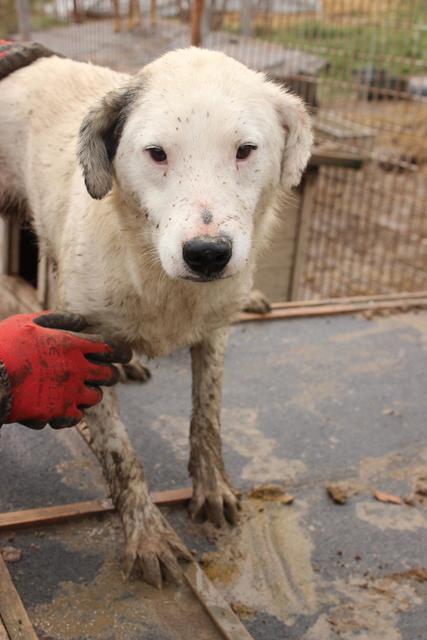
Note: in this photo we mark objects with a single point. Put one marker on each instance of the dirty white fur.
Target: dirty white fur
(115, 222)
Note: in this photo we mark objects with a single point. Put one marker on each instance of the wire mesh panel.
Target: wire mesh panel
(121, 34)
(361, 65)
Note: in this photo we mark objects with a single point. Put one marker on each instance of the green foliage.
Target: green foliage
(396, 42)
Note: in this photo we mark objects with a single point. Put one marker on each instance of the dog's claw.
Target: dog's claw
(219, 505)
(156, 553)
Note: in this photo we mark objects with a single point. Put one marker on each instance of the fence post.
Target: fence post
(196, 22)
(24, 18)
(153, 13)
(246, 14)
(308, 188)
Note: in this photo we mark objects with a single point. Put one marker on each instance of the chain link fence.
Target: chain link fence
(361, 65)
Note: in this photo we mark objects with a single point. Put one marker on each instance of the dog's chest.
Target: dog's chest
(160, 325)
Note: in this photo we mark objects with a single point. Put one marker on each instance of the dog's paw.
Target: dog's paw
(215, 501)
(257, 302)
(154, 550)
(134, 371)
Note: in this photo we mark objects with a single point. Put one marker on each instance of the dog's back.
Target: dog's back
(41, 107)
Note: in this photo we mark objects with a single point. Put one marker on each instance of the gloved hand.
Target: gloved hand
(53, 373)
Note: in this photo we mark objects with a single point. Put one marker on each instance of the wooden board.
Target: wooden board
(3, 632)
(12, 612)
(308, 188)
(214, 604)
(17, 296)
(65, 512)
(274, 266)
(283, 312)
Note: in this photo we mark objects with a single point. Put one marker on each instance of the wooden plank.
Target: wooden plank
(4, 245)
(335, 309)
(12, 612)
(349, 300)
(17, 296)
(3, 632)
(65, 512)
(274, 267)
(303, 225)
(335, 158)
(214, 604)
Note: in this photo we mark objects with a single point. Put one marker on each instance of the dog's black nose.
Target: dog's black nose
(206, 255)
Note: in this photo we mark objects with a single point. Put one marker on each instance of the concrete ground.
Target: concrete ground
(308, 403)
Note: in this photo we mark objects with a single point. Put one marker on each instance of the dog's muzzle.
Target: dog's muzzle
(207, 256)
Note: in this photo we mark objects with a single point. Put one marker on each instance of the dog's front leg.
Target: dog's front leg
(151, 544)
(213, 495)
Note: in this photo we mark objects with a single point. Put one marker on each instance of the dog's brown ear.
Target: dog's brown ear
(99, 137)
(296, 124)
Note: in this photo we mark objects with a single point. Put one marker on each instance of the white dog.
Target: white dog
(152, 194)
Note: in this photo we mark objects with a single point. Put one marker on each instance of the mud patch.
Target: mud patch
(385, 516)
(371, 609)
(265, 563)
(242, 434)
(417, 321)
(109, 607)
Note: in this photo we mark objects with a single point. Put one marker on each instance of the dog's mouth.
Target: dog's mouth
(203, 278)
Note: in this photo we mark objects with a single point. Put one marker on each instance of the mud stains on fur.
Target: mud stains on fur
(207, 216)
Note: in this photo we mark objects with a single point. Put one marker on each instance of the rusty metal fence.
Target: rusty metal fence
(362, 67)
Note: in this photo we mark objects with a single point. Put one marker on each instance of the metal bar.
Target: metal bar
(12, 612)
(65, 512)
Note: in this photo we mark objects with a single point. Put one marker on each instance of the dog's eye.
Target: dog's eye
(157, 154)
(244, 151)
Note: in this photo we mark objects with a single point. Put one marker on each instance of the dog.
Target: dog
(153, 196)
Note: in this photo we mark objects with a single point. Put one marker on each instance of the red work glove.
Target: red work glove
(53, 374)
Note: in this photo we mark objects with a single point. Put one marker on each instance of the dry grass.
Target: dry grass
(368, 233)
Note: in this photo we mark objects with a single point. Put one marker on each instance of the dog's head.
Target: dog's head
(198, 146)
